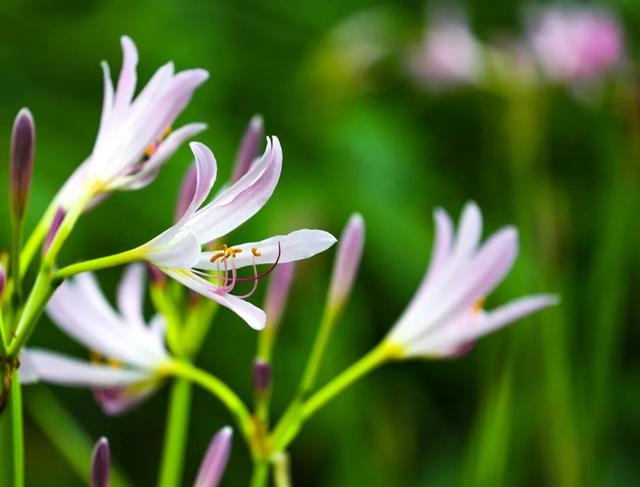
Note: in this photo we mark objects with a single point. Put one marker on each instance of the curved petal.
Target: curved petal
(60, 369)
(242, 200)
(131, 294)
(253, 315)
(469, 231)
(128, 78)
(173, 250)
(297, 245)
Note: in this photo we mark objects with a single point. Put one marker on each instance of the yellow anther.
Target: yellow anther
(95, 357)
(150, 150)
(255, 252)
(112, 362)
(166, 133)
(217, 256)
(478, 305)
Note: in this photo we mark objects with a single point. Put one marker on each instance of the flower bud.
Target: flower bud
(249, 147)
(187, 189)
(3, 279)
(347, 261)
(157, 277)
(100, 464)
(23, 140)
(278, 292)
(215, 460)
(261, 376)
(58, 218)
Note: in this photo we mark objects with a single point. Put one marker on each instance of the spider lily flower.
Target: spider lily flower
(445, 316)
(575, 44)
(134, 139)
(213, 274)
(449, 54)
(127, 353)
(215, 460)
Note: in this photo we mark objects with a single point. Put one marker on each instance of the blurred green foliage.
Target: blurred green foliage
(554, 400)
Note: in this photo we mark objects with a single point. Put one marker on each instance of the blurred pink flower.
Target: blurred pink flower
(575, 44)
(445, 316)
(448, 55)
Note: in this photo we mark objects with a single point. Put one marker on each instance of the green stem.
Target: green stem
(16, 242)
(219, 389)
(317, 352)
(260, 477)
(176, 434)
(11, 437)
(281, 470)
(101, 263)
(36, 238)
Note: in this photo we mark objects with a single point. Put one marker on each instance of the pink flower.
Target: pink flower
(445, 316)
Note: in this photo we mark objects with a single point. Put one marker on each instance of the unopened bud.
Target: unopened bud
(3, 279)
(215, 461)
(278, 293)
(58, 218)
(261, 376)
(23, 139)
(249, 147)
(100, 464)
(156, 276)
(347, 261)
(187, 190)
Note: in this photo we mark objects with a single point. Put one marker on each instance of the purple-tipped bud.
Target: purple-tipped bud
(157, 277)
(215, 461)
(347, 261)
(278, 293)
(261, 376)
(3, 279)
(23, 141)
(58, 218)
(249, 147)
(187, 190)
(100, 464)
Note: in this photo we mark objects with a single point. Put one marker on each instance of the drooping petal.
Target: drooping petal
(242, 200)
(297, 245)
(253, 315)
(215, 460)
(131, 294)
(60, 369)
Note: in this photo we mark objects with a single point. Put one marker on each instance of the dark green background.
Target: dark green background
(555, 400)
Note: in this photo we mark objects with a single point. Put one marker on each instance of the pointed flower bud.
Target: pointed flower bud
(261, 376)
(249, 147)
(23, 139)
(58, 218)
(3, 279)
(347, 261)
(187, 191)
(215, 461)
(100, 464)
(278, 292)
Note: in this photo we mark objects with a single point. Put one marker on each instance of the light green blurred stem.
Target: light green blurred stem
(61, 428)
(177, 427)
(317, 352)
(16, 277)
(260, 476)
(11, 437)
(36, 238)
(101, 263)
(281, 472)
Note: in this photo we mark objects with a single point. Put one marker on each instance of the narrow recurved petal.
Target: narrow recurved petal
(347, 261)
(278, 292)
(23, 140)
(215, 460)
(187, 191)
(100, 464)
(249, 147)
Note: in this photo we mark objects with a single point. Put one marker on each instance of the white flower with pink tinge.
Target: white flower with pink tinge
(445, 316)
(576, 44)
(178, 251)
(127, 352)
(134, 138)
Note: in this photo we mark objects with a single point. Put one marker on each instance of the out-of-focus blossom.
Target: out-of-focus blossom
(53, 229)
(100, 464)
(215, 460)
(135, 138)
(446, 316)
(23, 142)
(575, 44)
(3, 279)
(278, 293)
(449, 54)
(249, 147)
(177, 251)
(126, 352)
(347, 261)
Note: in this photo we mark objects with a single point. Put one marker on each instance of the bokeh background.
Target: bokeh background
(554, 400)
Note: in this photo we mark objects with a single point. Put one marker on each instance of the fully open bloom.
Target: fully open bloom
(177, 251)
(446, 316)
(135, 138)
(575, 44)
(127, 353)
